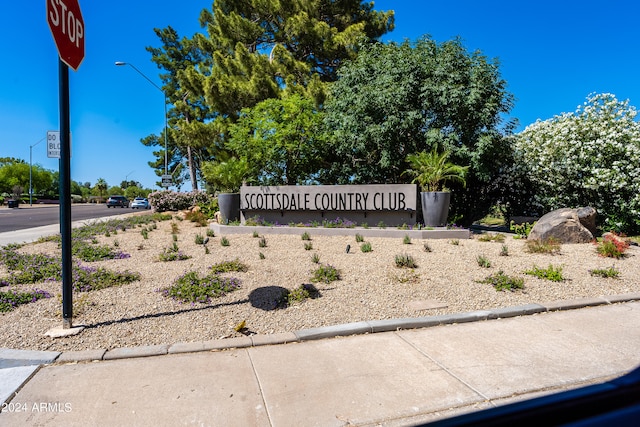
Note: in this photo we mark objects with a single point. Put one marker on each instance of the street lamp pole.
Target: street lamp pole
(30, 170)
(120, 63)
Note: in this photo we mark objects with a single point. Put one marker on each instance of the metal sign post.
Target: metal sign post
(65, 197)
(67, 28)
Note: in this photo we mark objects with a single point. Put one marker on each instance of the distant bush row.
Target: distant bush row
(167, 200)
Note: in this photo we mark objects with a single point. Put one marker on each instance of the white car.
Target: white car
(140, 203)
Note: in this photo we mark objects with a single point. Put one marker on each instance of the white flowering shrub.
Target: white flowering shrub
(587, 158)
(167, 200)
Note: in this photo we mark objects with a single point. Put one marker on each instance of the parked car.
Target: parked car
(140, 203)
(114, 201)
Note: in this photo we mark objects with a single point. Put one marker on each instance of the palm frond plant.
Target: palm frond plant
(431, 170)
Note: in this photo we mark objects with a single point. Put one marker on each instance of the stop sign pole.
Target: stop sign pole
(67, 28)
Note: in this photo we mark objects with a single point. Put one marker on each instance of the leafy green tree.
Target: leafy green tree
(590, 157)
(281, 139)
(129, 183)
(133, 191)
(394, 100)
(115, 191)
(16, 173)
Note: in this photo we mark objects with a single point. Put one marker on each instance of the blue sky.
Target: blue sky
(552, 54)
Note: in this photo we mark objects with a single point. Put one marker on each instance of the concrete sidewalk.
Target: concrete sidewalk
(390, 378)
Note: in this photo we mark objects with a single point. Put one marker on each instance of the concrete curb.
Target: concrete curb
(14, 358)
(365, 327)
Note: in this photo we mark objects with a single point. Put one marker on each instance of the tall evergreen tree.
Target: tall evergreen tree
(253, 50)
(187, 112)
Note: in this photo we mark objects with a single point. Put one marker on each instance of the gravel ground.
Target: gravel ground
(371, 287)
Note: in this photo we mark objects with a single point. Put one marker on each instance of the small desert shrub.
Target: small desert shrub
(306, 236)
(198, 217)
(87, 279)
(80, 304)
(550, 273)
(426, 247)
(191, 288)
(407, 276)
(210, 233)
(308, 246)
(255, 235)
(173, 254)
(546, 246)
(405, 261)
(145, 233)
(406, 239)
(262, 243)
(298, 295)
(174, 237)
(224, 241)
(260, 255)
(359, 238)
(483, 261)
(504, 251)
(612, 246)
(488, 237)
(174, 228)
(521, 230)
(502, 282)
(381, 224)
(199, 239)
(325, 273)
(226, 266)
(89, 253)
(315, 258)
(455, 242)
(365, 247)
(607, 273)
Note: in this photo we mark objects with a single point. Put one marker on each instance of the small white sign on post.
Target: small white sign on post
(53, 144)
(167, 180)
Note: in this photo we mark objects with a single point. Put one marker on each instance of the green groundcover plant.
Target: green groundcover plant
(12, 298)
(193, 288)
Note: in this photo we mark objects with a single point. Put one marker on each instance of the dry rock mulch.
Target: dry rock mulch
(371, 286)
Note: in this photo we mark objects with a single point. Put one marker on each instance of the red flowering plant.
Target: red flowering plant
(612, 246)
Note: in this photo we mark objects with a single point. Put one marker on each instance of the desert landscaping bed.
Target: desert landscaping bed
(371, 286)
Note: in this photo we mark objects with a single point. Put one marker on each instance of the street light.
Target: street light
(120, 63)
(30, 172)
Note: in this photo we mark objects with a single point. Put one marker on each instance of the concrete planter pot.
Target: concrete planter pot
(435, 208)
(229, 205)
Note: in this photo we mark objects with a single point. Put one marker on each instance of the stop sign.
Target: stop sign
(67, 26)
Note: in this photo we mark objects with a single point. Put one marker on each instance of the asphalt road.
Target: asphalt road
(39, 215)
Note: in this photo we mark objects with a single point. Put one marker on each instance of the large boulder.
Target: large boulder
(565, 225)
(587, 216)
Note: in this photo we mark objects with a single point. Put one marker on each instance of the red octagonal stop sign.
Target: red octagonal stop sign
(67, 26)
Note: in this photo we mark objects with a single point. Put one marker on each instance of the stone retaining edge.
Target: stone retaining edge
(391, 232)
